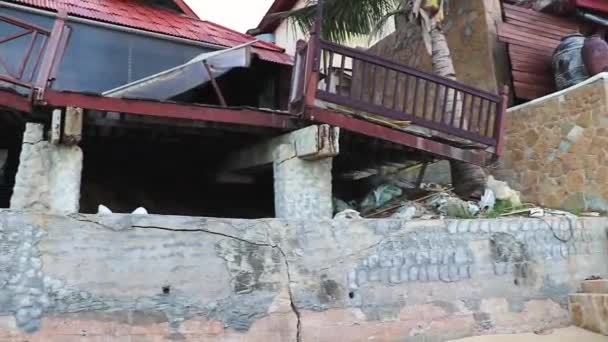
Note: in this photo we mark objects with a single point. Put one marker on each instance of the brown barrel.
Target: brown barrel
(595, 55)
(568, 65)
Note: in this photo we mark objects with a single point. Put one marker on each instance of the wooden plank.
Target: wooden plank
(511, 39)
(541, 33)
(551, 26)
(522, 91)
(544, 52)
(540, 16)
(534, 78)
(505, 29)
(521, 22)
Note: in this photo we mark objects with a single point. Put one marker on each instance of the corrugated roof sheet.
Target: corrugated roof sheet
(136, 14)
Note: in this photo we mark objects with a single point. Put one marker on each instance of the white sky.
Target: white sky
(239, 15)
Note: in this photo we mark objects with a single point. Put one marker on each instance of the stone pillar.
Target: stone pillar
(302, 188)
(302, 174)
(48, 178)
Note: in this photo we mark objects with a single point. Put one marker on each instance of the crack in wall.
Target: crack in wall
(293, 306)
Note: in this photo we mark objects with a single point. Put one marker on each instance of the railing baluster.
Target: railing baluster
(479, 115)
(330, 70)
(406, 93)
(487, 132)
(454, 108)
(463, 113)
(435, 102)
(386, 73)
(426, 98)
(355, 72)
(445, 105)
(396, 90)
(340, 85)
(363, 81)
(372, 99)
(415, 99)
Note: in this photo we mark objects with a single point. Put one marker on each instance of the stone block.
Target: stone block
(590, 311)
(595, 286)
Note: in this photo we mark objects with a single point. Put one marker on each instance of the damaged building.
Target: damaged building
(159, 109)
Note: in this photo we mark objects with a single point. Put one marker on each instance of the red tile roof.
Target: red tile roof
(136, 14)
(269, 24)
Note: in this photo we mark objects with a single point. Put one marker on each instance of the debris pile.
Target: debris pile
(434, 201)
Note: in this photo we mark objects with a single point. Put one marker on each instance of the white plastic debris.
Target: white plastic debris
(140, 211)
(537, 212)
(348, 214)
(103, 210)
(473, 209)
(488, 200)
(405, 213)
(502, 191)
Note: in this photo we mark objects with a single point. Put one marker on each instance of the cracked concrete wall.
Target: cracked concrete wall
(49, 175)
(157, 278)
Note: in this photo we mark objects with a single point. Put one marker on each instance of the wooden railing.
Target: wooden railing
(22, 72)
(42, 53)
(361, 81)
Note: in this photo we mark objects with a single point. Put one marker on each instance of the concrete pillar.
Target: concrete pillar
(302, 163)
(49, 175)
(302, 188)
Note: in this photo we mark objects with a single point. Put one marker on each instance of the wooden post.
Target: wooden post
(216, 87)
(500, 121)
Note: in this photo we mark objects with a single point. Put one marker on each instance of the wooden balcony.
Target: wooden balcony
(352, 89)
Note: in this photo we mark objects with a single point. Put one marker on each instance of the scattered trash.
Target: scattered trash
(590, 214)
(102, 210)
(405, 213)
(537, 212)
(543, 331)
(380, 196)
(140, 211)
(340, 205)
(488, 200)
(455, 207)
(502, 191)
(348, 214)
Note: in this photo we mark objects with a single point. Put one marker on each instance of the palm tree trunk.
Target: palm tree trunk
(468, 180)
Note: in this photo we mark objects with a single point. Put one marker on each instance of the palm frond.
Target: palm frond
(343, 19)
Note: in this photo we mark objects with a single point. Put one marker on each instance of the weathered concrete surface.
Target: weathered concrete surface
(49, 175)
(156, 278)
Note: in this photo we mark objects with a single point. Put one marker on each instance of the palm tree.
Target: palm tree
(343, 19)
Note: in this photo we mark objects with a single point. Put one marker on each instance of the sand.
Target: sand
(571, 334)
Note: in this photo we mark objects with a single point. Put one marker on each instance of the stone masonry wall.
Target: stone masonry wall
(165, 278)
(556, 148)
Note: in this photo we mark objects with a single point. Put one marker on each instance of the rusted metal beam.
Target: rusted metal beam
(403, 138)
(169, 110)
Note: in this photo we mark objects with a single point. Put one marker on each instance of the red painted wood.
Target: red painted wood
(598, 5)
(169, 110)
(351, 124)
(11, 100)
(532, 37)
